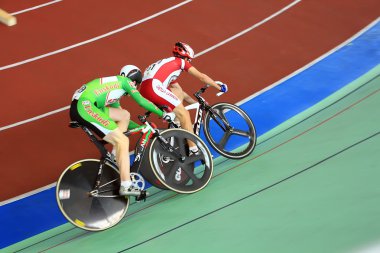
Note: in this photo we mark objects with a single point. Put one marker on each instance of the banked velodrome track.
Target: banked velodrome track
(275, 45)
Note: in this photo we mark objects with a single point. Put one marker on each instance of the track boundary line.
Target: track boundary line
(35, 7)
(95, 38)
(249, 28)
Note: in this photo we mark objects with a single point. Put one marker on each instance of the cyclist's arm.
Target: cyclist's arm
(203, 77)
(144, 103)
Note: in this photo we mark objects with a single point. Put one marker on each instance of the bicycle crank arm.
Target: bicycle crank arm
(96, 195)
(139, 195)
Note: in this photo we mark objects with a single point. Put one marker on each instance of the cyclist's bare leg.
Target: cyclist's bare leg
(181, 113)
(121, 117)
(176, 89)
(184, 118)
(121, 144)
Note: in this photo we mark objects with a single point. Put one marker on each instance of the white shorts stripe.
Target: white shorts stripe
(164, 93)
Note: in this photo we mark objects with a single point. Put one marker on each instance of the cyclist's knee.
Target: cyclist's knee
(118, 114)
(122, 140)
(180, 109)
(181, 113)
(117, 138)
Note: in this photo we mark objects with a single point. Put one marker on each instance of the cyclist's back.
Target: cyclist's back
(166, 70)
(104, 91)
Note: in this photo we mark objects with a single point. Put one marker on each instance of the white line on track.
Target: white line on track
(95, 38)
(34, 118)
(249, 29)
(197, 55)
(35, 7)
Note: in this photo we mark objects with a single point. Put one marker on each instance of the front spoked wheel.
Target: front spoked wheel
(82, 205)
(166, 171)
(230, 131)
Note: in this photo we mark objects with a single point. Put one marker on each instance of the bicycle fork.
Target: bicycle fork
(226, 127)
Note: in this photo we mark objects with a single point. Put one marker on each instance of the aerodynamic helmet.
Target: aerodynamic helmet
(183, 50)
(132, 72)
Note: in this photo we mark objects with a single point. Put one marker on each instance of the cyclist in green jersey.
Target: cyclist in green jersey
(96, 105)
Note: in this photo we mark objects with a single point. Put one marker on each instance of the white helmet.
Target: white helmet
(132, 72)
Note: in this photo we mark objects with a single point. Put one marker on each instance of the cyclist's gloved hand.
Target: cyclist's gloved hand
(223, 86)
(168, 116)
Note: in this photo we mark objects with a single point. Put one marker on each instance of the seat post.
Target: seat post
(98, 143)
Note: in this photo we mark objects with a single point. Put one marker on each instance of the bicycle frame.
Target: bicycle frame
(202, 106)
(106, 156)
(148, 130)
(198, 117)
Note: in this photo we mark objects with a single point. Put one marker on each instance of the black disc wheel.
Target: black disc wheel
(166, 171)
(230, 131)
(84, 207)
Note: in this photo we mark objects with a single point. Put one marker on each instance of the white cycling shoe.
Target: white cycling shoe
(130, 191)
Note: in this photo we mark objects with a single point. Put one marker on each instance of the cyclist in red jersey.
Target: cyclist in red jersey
(160, 86)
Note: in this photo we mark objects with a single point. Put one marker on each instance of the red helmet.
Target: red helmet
(182, 50)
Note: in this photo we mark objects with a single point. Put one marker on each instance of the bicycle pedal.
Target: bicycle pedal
(142, 196)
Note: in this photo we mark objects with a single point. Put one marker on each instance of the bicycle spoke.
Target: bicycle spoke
(241, 133)
(190, 173)
(182, 142)
(194, 158)
(224, 140)
(220, 113)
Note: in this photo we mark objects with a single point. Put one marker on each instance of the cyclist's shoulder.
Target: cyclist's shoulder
(165, 60)
(127, 85)
(123, 79)
(103, 80)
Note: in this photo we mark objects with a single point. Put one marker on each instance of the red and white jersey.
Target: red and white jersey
(166, 70)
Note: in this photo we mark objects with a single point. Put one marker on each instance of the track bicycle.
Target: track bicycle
(87, 191)
(227, 127)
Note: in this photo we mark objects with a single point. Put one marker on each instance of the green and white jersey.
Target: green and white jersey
(107, 91)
